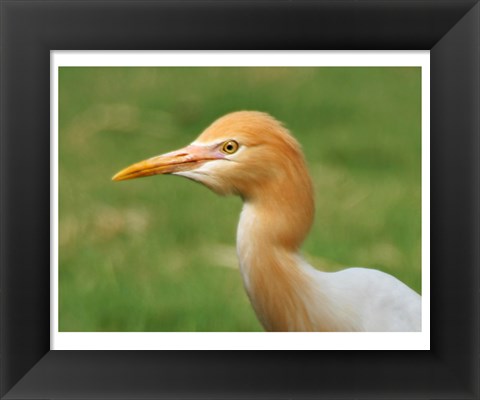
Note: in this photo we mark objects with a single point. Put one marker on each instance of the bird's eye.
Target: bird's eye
(230, 147)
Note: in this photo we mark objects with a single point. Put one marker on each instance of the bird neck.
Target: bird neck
(271, 229)
(286, 293)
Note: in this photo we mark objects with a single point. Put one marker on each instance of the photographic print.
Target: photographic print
(301, 211)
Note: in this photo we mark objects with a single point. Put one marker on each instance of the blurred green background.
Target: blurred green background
(158, 254)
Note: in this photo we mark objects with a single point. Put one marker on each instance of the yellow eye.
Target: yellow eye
(230, 147)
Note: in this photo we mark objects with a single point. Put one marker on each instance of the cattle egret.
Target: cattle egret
(252, 155)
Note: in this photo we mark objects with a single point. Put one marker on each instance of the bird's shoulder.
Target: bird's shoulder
(386, 301)
(375, 283)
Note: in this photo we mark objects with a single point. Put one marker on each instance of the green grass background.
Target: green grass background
(158, 254)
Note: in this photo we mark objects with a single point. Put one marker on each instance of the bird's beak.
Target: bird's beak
(179, 160)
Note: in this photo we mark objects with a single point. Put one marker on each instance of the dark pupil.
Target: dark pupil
(229, 147)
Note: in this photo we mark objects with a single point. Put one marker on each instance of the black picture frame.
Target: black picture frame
(30, 29)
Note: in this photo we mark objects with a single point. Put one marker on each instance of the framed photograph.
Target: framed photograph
(380, 127)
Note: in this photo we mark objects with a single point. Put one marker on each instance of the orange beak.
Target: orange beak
(185, 159)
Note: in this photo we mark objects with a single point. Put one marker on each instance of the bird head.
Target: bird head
(243, 153)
